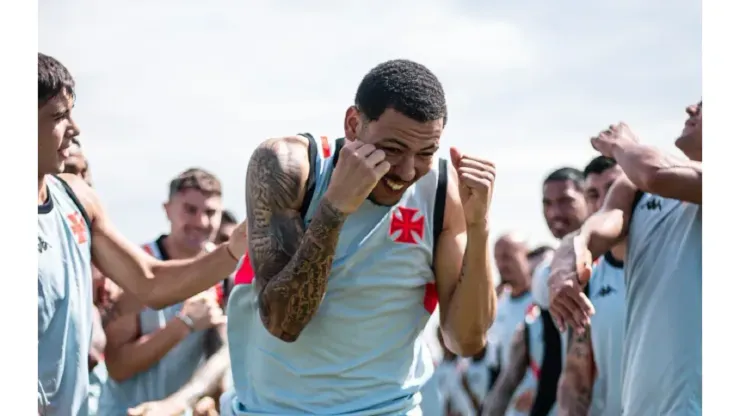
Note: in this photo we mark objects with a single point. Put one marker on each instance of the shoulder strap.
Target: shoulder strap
(552, 364)
(440, 199)
(77, 202)
(337, 147)
(311, 181)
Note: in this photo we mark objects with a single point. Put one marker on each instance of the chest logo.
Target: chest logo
(43, 245)
(405, 228)
(77, 226)
(652, 204)
(605, 291)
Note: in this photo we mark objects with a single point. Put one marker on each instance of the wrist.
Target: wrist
(478, 229)
(231, 253)
(186, 321)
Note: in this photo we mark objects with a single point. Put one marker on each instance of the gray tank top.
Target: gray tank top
(64, 302)
(165, 377)
(663, 275)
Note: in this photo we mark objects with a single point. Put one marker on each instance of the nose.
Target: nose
(74, 128)
(405, 169)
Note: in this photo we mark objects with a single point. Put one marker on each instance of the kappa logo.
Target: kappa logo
(405, 227)
(43, 245)
(605, 291)
(653, 204)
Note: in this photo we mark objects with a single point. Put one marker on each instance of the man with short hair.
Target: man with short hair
(158, 352)
(352, 241)
(74, 232)
(537, 350)
(591, 380)
(656, 208)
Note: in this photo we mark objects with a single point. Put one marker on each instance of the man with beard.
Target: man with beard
(537, 349)
(158, 352)
(352, 242)
(656, 209)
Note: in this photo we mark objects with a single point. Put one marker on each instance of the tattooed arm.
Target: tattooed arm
(291, 264)
(577, 381)
(497, 401)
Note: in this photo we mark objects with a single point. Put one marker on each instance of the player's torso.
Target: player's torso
(662, 359)
(510, 312)
(362, 353)
(64, 302)
(171, 372)
(607, 292)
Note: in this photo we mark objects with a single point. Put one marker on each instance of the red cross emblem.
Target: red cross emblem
(77, 225)
(403, 220)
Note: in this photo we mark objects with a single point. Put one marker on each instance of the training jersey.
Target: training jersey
(663, 327)
(171, 372)
(606, 290)
(362, 353)
(510, 312)
(65, 305)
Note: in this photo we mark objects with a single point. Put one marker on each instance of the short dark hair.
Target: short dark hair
(197, 179)
(539, 251)
(227, 217)
(405, 86)
(567, 174)
(54, 78)
(598, 165)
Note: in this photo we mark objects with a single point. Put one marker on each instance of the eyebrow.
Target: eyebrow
(400, 143)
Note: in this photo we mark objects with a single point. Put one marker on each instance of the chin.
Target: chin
(384, 201)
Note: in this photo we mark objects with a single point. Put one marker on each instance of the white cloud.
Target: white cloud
(169, 84)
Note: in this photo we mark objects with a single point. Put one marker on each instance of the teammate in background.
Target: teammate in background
(74, 232)
(538, 256)
(510, 252)
(656, 209)
(538, 349)
(591, 381)
(158, 352)
(341, 313)
(228, 224)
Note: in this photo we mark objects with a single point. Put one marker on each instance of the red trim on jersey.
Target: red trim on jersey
(220, 293)
(430, 297)
(148, 249)
(535, 368)
(245, 274)
(325, 149)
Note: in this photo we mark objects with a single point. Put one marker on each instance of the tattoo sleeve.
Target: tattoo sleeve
(576, 382)
(497, 401)
(291, 263)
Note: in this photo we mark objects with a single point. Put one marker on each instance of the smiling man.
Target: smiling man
(352, 241)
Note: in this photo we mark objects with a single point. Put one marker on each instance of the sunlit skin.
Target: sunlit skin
(76, 163)
(597, 186)
(564, 207)
(195, 219)
(690, 141)
(56, 128)
(409, 147)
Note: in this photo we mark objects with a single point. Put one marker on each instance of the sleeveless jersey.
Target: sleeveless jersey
(606, 290)
(510, 312)
(64, 302)
(479, 375)
(663, 327)
(170, 373)
(448, 380)
(362, 353)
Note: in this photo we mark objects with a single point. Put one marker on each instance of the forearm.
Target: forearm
(291, 298)
(132, 358)
(176, 280)
(576, 383)
(207, 379)
(473, 304)
(497, 401)
(600, 232)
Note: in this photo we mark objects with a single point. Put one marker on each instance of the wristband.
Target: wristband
(187, 321)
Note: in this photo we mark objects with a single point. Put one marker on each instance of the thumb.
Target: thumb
(137, 411)
(455, 157)
(220, 320)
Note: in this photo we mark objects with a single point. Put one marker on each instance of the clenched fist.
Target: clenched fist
(359, 168)
(617, 135)
(570, 270)
(476, 177)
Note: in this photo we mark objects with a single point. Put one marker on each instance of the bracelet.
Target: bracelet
(228, 249)
(187, 321)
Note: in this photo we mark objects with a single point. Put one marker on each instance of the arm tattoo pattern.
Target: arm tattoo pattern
(291, 264)
(576, 382)
(497, 401)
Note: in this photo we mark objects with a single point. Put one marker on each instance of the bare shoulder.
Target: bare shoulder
(278, 170)
(84, 193)
(621, 195)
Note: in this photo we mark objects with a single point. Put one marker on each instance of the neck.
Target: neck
(619, 251)
(42, 190)
(176, 252)
(518, 290)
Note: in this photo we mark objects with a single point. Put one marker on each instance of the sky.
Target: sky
(171, 84)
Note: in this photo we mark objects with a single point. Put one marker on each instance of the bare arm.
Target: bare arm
(128, 354)
(291, 264)
(577, 380)
(464, 278)
(157, 283)
(658, 173)
(497, 401)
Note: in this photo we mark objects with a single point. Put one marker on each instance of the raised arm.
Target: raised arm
(156, 283)
(577, 380)
(291, 264)
(497, 401)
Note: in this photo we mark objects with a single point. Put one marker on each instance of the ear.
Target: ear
(167, 206)
(352, 123)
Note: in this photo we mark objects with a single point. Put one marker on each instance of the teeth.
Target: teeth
(394, 185)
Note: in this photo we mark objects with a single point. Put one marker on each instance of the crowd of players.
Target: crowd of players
(571, 336)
